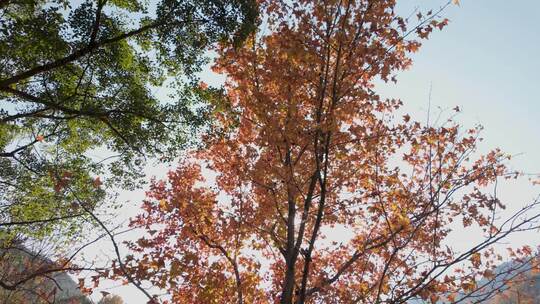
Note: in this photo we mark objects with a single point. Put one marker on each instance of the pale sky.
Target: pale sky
(486, 62)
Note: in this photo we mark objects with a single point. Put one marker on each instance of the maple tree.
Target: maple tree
(311, 189)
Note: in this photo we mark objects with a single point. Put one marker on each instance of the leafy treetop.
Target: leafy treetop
(321, 193)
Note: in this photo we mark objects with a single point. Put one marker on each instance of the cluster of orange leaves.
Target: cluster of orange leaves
(314, 190)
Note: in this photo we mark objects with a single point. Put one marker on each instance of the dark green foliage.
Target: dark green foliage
(77, 79)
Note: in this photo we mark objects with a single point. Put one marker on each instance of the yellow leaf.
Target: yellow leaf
(476, 259)
(163, 204)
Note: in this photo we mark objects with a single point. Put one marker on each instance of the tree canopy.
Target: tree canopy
(306, 186)
(322, 193)
(79, 109)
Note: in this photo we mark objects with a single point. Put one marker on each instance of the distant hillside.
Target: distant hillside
(524, 286)
(523, 289)
(59, 288)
